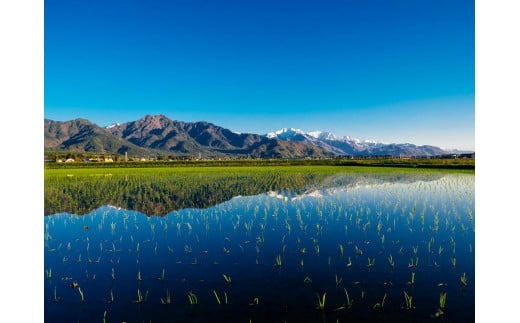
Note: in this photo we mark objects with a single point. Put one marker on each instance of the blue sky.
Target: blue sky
(393, 71)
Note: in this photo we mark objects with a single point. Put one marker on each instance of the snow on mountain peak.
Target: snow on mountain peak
(285, 133)
(326, 138)
(113, 125)
(323, 135)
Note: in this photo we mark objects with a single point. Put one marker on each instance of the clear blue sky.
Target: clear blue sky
(393, 71)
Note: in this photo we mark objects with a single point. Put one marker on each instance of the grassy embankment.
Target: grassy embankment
(458, 163)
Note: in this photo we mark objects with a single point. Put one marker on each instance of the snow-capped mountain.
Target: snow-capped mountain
(287, 134)
(347, 145)
(113, 125)
(323, 135)
(298, 135)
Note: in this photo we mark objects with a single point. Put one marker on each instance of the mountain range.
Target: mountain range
(354, 147)
(160, 135)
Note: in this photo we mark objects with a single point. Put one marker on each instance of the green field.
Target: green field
(160, 190)
(283, 235)
(445, 163)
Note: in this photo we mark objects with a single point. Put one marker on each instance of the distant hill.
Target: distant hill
(81, 135)
(354, 147)
(159, 134)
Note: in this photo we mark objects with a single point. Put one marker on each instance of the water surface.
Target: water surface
(283, 250)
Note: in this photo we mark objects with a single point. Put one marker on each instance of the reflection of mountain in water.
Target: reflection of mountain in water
(161, 194)
(349, 182)
(162, 197)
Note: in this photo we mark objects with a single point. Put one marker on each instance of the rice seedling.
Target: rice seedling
(321, 301)
(140, 298)
(111, 297)
(56, 298)
(97, 261)
(464, 279)
(48, 273)
(227, 278)
(379, 227)
(192, 298)
(255, 302)
(391, 261)
(413, 262)
(162, 274)
(350, 302)
(341, 250)
(371, 263)
(307, 280)
(442, 301)
(412, 281)
(349, 263)
(338, 281)
(216, 297)
(278, 261)
(408, 301)
(381, 304)
(81, 294)
(105, 317)
(453, 261)
(139, 278)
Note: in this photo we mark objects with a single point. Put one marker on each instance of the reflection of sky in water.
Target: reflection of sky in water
(242, 237)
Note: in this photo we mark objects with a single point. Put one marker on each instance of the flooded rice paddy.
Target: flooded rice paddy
(350, 247)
